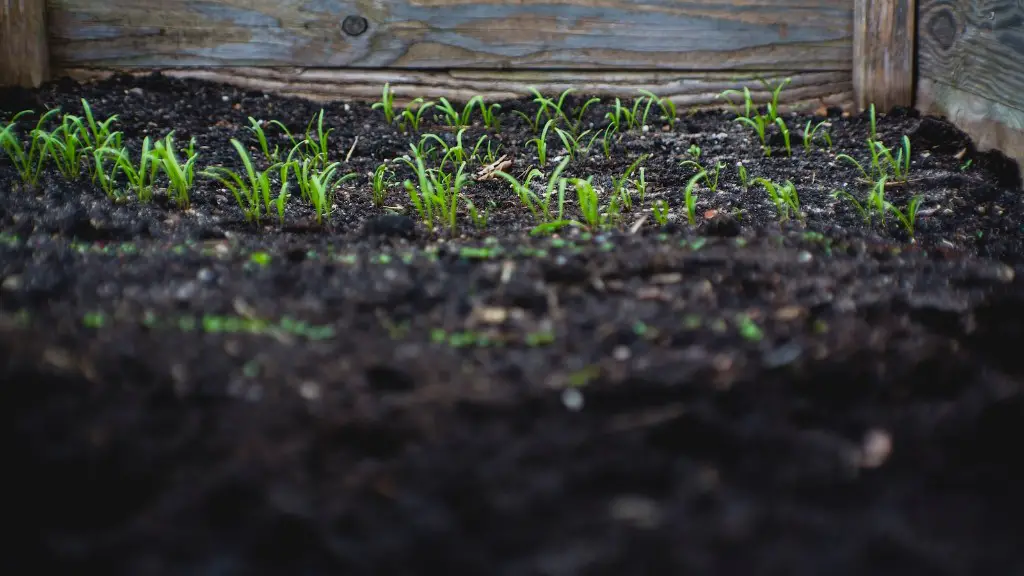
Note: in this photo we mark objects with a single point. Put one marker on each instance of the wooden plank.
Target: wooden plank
(974, 45)
(689, 91)
(804, 35)
(24, 58)
(992, 125)
(883, 53)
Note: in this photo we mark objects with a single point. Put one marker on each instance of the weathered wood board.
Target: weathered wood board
(883, 52)
(24, 57)
(711, 35)
(688, 90)
(971, 69)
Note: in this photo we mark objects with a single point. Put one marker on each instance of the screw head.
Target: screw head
(354, 25)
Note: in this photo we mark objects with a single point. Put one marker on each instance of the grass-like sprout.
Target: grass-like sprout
(412, 115)
(28, 163)
(576, 122)
(640, 184)
(748, 109)
(873, 133)
(667, 106)
(252, 191)
(65, 146)
(617, 114)
(489, 115)
(883, 162)
(589, 204)
(256, 127)
(476, 216)
(180, 176)
(455, 118)
(811, 131)
(318, 184)
(741, 171)
(386, 103)
(784, 196)
(619, 188)
(107, 178)
(660, 212)
(690, 197)
(541, 143)
(710, 174)
(759, 124)
(907, 217)
(95, 134)
(543, 104)
(875, 202)
(379, 184)
(540, 206)
(140, 176)
(784, 130)
(573, 143)
(607, 137)
(436, 193)
(773, 105)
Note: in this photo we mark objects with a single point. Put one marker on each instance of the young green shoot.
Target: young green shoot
(907, 217)
(690, 197)
(540, 206)
(180, 176)
(140, 176)
(541, 143)
(252, 190)
(386, 104)
(773, 105)
(759, 124)
(29, 164)
(412, 115)
(380, 184)
(741, 171)
(784, 130)
(710, 174)
(667, 106)
(660, 211)
(66, 148)
(489, 115)
(453, 117)
(784, 196)
(256, 127)
(107, 180)
(571, 142)
(810, 132)
(619, 188)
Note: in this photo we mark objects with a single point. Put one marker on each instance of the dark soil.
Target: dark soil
(187, 393)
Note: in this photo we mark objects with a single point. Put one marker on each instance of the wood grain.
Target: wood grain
(883, 52)
(992, 126)
(974, 45)
(24, 57)
(803, 35)
(688, 90)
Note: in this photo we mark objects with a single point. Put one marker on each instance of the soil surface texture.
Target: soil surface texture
(772, 388)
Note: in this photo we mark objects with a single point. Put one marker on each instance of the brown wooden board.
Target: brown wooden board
(24, 58)
(971, 67)
(804, 35)
(883, 52)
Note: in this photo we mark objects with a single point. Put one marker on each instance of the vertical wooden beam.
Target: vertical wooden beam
(883, 52)
(24, 52)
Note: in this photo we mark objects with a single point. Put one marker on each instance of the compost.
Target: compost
(805, 386)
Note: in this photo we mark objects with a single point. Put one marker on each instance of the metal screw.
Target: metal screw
(354, 25)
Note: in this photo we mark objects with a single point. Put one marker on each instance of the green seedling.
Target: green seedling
(784, 196)
(179, 175)
(606, 140)
(572, 143)
(379, 185)
(94, 133)
(386, 104)
(759, 124)
(589, 204)
(412, 115)
(541, 143)
(748, 102)
(435, 195)
(710, 174)
(28, 163)
(873, 134)
(539, 206)
(819, 128)
(256, 127)
(741, 171)
(577, 122)
(489, 115)
(619, 188)
(773, 105)
(908, 217)
(690, 197)
(453, 117)
(784, 130)
(478, 218)
(252, 191)
(874, 204)
(107, 178)
(66, 148)
(667, 106)
(616, 115)
(640, 184)
(140, 176)
(660, 212)
(543, 104)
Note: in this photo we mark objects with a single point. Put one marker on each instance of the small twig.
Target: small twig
(352, 149)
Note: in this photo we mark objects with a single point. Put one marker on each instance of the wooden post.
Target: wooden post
(883, 53)
(24, 53)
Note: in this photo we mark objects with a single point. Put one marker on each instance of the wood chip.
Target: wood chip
(488, 172)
